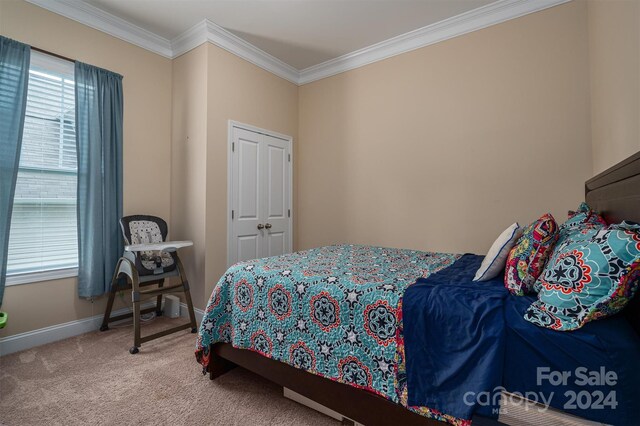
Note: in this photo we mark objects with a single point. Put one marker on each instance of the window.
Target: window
(43, 234)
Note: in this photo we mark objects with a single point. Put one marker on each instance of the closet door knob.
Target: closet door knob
(261, 226)
(267, 225)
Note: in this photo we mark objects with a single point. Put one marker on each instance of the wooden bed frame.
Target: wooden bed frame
(614, 192)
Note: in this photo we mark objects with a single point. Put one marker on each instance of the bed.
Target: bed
(339, 336)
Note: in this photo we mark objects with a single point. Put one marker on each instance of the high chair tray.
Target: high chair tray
(164, 246)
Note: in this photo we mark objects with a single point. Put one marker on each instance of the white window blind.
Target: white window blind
(43, 234)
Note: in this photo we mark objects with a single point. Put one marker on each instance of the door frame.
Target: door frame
(231, 184)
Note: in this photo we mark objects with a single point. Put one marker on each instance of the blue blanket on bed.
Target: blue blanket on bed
(464, 340)
(606, 351)
(448, 321)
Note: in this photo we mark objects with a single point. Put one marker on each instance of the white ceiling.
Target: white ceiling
(301, 33)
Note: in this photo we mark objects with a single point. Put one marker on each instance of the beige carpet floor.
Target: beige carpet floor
(92, 379)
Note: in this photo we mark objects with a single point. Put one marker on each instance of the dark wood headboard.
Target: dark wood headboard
(616, 194)
(616, 191)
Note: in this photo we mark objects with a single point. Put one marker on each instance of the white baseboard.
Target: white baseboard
(42, 336)
(185, 313)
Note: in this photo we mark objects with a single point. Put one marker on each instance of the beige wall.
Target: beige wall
(147, 144)
(614, 48)
(211, 87)
(237, 90)
(189, 163)
(444, 147)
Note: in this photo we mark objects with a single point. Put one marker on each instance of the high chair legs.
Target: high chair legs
(126, 268)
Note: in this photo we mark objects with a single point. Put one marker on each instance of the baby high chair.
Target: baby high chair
(148, 259)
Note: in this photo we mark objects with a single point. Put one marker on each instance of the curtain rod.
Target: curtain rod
(37, 49)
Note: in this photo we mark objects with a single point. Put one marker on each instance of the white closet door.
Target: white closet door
(276, 195)
(260, 196)
(246, 241)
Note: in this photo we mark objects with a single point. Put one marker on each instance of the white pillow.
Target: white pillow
(496, 259)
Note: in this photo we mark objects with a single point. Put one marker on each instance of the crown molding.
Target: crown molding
(190, 39)
(207, 31)
(103, 21)
(473, 20)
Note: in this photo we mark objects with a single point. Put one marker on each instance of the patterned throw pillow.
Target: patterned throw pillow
(580, 221)
(592, 274)
(527, 258)
(572, 235)
(584, 215)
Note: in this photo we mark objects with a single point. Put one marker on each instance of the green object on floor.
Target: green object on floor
(3, 319)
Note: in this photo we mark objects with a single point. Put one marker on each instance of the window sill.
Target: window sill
(33, 277)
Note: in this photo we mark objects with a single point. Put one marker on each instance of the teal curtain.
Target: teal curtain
(14, 79)
(99, 115)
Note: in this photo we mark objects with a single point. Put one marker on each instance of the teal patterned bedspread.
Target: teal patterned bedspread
(332, 311)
